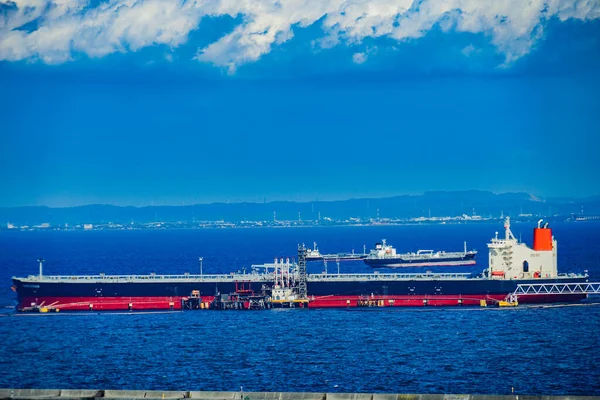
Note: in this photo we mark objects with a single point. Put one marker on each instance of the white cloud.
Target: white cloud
(68, 27)
(469, 50)
(359, 58)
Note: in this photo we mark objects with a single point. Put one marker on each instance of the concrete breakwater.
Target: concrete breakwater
(70, 394)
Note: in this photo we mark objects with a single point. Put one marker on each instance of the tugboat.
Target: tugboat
(384, 255)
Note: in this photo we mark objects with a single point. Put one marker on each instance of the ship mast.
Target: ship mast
(509, 234)
(41, 261)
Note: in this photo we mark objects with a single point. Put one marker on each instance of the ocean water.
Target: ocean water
(536, 350)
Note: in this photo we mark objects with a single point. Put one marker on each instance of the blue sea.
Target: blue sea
(531, 350)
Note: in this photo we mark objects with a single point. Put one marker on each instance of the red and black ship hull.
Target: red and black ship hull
(168, 295)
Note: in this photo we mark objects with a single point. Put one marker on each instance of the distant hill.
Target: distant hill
(428, 204)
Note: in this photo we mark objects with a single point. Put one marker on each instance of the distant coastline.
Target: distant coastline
(291, 224)
(430, 207)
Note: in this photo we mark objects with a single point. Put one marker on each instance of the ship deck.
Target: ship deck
(254, 277)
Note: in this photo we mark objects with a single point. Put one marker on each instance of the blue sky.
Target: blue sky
(156, 102)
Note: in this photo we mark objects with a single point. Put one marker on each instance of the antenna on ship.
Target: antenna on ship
(41, 261)
(200, 260)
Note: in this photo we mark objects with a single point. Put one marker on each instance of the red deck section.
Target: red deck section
(174, 303)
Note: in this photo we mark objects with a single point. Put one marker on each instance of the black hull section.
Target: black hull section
(474, 286)
(127, 289)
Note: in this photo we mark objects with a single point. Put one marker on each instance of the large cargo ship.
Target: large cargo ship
(385, 255)
(511, 263)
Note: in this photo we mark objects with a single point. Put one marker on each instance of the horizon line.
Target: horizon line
(317, 200)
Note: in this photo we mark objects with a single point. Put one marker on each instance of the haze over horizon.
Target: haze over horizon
(152, 102)
(454, 194)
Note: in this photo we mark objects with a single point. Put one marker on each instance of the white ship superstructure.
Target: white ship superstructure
(510, 259)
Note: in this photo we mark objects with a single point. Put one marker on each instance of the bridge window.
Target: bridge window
(525, 266)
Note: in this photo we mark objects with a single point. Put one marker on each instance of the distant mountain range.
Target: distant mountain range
(432, 204)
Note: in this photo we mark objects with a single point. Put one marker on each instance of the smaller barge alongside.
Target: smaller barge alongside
(385, 255)
(516, 272)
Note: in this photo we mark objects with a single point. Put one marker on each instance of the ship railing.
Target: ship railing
(385, 277)
(499, 243)
(253, 277)
(573, 275)
(525, 289)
